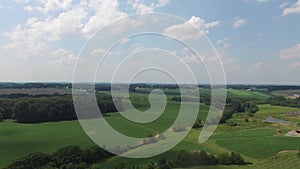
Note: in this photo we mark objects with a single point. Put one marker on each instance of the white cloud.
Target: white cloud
(142, 8)
(187, 30)
(82, 19)
(124, 40)
(32, 38)
(50, 5)
(63, 56)
(293, 52)
(223, 43)
(105, 12)
(0, 7)
(25, 43)
(293, 9)
(283, 5)
(263, 65)
(234, 68)
(295, 65)
(193, 59)
(238, 22)
(101, 52)
(136, 48)
(21, 1)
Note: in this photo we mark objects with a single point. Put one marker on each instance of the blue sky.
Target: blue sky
(258, 40)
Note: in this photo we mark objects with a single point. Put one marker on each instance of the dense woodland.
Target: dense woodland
(45, 109)
(282, 101)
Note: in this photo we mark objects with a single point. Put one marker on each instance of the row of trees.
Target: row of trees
(282, 101)
(203, 99)
(71, 157)
(190, 159)
(44, 109)
(74, 157)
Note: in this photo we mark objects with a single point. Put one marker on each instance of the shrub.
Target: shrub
(231, 159)
(1, 117)
(197, 124)
(33, 160)
(186, 159)
(66, 155)
(232, 123)
(179, 129)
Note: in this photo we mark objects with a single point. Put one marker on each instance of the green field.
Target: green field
(235, 93)
(17, 140)
(257, 141)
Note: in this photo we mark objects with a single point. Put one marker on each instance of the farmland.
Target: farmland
(263, 144)
(33, 91)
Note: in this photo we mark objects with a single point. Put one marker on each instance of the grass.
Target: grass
(285, 160)
(17, 140)
(256, 95)
(259, 143)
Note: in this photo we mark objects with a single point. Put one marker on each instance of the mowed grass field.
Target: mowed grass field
(235, 93)
(257, 141)
(17, 140)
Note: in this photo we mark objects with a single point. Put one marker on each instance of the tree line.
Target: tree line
(282, 101)
(47, 109)
(190, 159)
(74, 157)
(71, 157)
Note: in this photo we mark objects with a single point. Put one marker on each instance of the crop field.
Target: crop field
(286, 93)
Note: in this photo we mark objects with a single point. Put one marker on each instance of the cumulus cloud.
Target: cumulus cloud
(238, 22)
(33, 37)
(263, 65)
(292, 52)
(82, 18)
(105, 12)
(223, 43)
(283, 5)
(295, 65)
(25, 43)
(50, 5)
(187, 30)
(101, 52)
(136, 48)
(143, 8)
(63, 56)
(193, 59)
(292, 9)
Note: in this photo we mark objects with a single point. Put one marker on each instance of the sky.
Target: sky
(258, 41)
